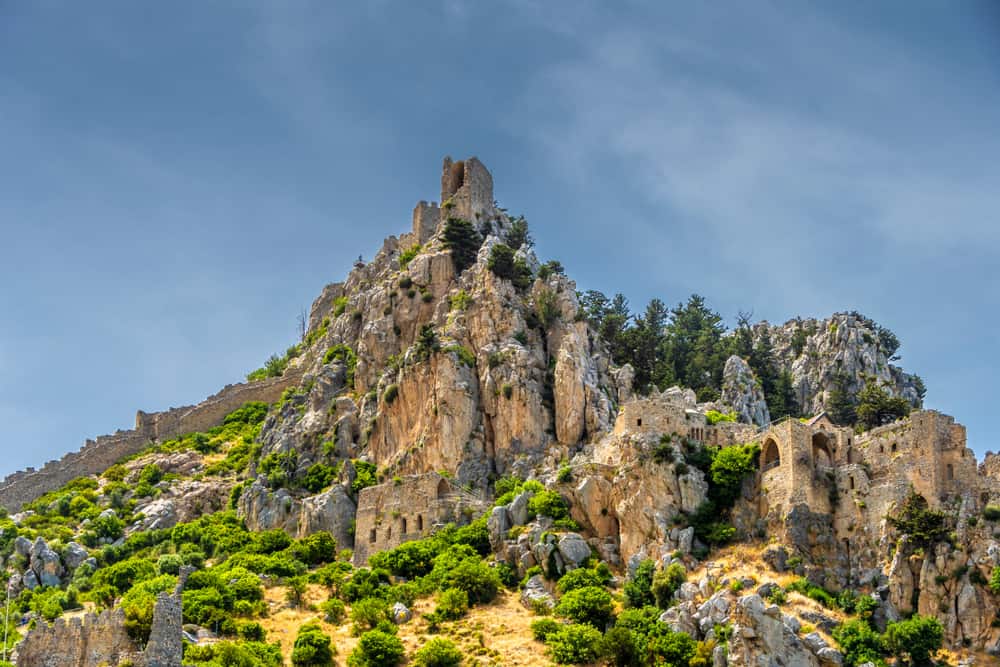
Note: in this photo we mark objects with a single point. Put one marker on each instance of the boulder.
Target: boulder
(535, 594)
(401, 613)
(74, 555)
(742, 391)
(574, 549)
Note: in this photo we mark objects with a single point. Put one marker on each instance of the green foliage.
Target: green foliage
(479, 581)
(859, 643)
(274, 366)
(345, 355)
(548, 503)
(377, 649)
(366, 474)
(841, 405)
(574, 644)
(333, 611)
(582, 578)
(231, 654)
(915, 640)
(991, 513)
(463, 353)
(453, 603)
(589, 604)
(318, 477)
(438, 652)
(550, 268)
(713, 417)
(460, 300)
(312, 647)
(504, 265)
(639, 589)
(877, 407)
(994, 584)
(730, 465)
(427, 342)
(924, 526)
(138, 604)
(546, 307)
(518, 234)
(462, 239)
(390, 394)
(666, 582)
(565, 474)
(368, 613)
(407, 255)
(543, 628)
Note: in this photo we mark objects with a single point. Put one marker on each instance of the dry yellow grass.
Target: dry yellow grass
(494, 634)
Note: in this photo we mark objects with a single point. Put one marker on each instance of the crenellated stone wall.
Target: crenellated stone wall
(97, 455)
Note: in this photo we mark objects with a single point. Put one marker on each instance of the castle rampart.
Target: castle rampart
(97, 455)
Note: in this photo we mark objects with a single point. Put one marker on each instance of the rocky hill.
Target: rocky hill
(458, 426)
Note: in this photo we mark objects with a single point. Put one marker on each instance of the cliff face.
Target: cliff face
(421, 367)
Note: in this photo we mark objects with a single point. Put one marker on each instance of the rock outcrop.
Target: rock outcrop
(741, 390)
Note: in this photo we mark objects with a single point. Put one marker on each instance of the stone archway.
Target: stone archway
(821, 456)
(770, 456)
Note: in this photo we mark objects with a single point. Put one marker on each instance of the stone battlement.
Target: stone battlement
(97, 455)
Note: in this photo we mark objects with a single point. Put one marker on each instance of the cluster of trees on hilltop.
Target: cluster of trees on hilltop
(687, 345)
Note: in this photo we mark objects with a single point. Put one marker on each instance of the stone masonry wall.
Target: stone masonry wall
(98, 640)
(97, 455)
(396, 512)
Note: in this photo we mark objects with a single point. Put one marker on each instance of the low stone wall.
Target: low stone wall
(97, 455)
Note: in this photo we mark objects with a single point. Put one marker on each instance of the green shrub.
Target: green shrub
(333, 611)
(543, 628)
(639, 589)
(368, 613)
(138, 605)
(438, 652)
(916, 639)
(713, 417)
(318, 477)
(312, 647)
(453, 603)
(407, 255)
(346, 356)
(462, 239)
(590, 604)
(365, 475)
(619, 647)
(518, 235)
(390, 394)
(464, 355)
(377, 649)
(730, 466)
(574, 644)
(460, 300)
(479, 581)
(503, 264)
(925, 526)
(565, 474)
(859, 643)
(991, 512)
(243, 654)
(548, 503)
(169, 564)
(580, 578)
(507, 390)
(666, 582)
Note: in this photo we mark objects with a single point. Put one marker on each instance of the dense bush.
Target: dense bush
(730, 466)
(666, 582)
(318, 477)
(438, 652)
(639, 589)
(230, 654)
(924, 526)
(503, 264)
(915, 640)
(453, 603)
(138, 605)
(859, 643)
(462, 239)
(312, 647)
(548, 503)
(366, 474)
(368, 613)
(377, 649)
(479, 581)
(333, 611)
(543, 628)
(574, 644)
(590, 604)
(580, 578)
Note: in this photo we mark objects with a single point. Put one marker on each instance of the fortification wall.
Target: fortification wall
(661, 416)
(97, 455)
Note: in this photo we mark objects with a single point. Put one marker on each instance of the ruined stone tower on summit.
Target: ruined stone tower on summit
(466, 189)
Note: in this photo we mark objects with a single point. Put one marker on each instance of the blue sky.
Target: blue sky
(178, 180)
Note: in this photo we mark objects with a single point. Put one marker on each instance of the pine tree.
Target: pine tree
(840, 404)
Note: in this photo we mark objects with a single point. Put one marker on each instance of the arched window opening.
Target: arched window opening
(821, 451)
(404, 525)
(950, 472)
(420, 522)
(771, 457)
